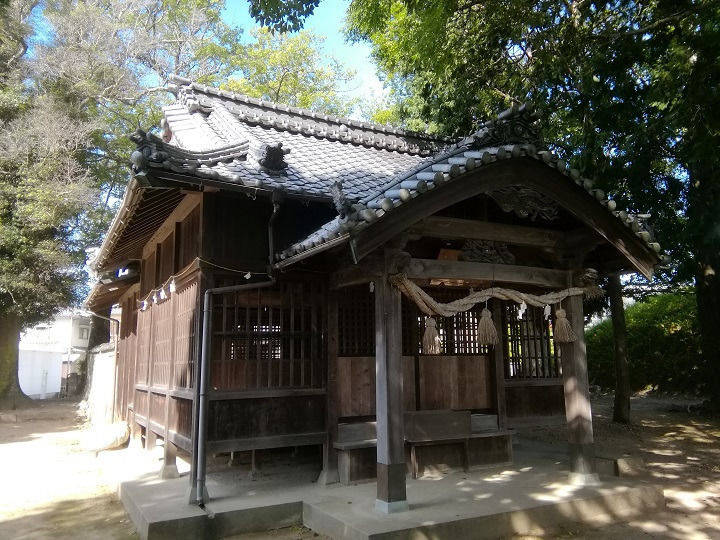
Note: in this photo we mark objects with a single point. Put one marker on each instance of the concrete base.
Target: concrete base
(168, 471)
(386, 507)
(328, 478)
(583, 479)
(482, 504)
(160, 509)
(536, 499)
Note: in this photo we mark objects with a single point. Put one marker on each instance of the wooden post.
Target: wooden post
(498, 355)
(577, 395)
(391, 494)
(150, 436)
(169, 466)
(329, 474)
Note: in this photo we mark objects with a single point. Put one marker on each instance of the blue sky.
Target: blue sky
(327, 21)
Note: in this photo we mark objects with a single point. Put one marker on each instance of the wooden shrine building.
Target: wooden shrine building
(259, 256)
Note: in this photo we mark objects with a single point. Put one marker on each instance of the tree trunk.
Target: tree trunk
(621, 409)
(701, 159)
(704, 210)
(10, 394)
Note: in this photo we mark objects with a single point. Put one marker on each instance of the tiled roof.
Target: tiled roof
(231, 138)
(456, 162)
(216, 134)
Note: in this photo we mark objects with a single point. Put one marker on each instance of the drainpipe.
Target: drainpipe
(198, 489)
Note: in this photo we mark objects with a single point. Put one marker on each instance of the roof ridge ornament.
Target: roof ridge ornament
(342, 205)
(518, 124)
(272, 157)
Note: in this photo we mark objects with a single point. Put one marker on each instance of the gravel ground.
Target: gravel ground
(54, 488)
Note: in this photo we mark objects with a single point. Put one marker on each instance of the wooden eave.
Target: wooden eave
(142, 211)
(104, 295)
(170, 179)
(522, 171)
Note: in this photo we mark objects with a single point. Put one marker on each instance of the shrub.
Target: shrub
(663, 346)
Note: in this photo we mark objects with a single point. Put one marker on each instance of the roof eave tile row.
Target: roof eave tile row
(448, 167)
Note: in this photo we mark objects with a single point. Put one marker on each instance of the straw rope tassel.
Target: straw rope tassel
(487, 333)
(562, 331)
(431, 339)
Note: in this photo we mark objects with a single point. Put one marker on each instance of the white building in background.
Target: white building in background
(49, 353)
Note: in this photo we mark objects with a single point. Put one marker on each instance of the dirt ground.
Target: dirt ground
(682, 454)
(54, 488)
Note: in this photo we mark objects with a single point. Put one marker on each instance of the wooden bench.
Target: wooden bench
(477, 438)
(356, 446)
(474, 439)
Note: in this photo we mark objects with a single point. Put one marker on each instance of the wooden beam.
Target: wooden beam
(504, 273)
(353, 275)
(169, 466)
(453, 228)
(263, 443)
(498, 356)
(219, 395)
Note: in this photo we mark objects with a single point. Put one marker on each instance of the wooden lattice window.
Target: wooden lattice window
(356, 321)
(356, 318)
(458, 334)
(530, 351)
(161, 347)
(269, 338)
(184, 349)
(143, 349)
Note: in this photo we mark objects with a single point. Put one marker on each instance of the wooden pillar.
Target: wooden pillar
(329, 473)
(498, 355)
(169, 467)
(391, 494)
(150, 436)
(577, 394)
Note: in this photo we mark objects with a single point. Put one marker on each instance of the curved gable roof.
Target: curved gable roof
(219, 138)
(471, 167)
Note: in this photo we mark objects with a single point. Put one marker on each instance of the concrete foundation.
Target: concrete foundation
(533, 499)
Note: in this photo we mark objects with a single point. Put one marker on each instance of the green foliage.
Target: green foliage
(291, 69)
(43, 188)
(282, 15)
(663, 346)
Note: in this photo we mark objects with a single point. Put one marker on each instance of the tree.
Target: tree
(282, 15)
(43, 188)
(290, 69)
(663, 345)
(621, 406)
